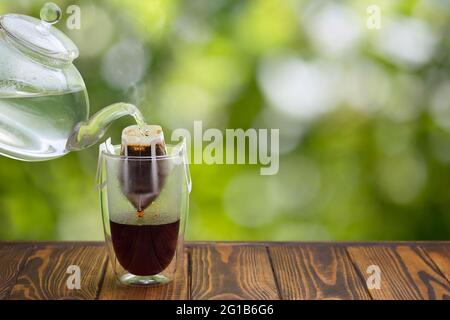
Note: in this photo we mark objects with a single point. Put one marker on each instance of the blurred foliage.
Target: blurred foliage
(364, 116)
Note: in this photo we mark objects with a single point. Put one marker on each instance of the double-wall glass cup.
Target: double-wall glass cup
(145, 247)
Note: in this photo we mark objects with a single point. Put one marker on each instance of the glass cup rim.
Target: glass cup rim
(180, 154)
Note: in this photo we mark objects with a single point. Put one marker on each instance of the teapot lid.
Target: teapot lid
(39, 36)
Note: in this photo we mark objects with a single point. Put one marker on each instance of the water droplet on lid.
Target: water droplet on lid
(50, 13)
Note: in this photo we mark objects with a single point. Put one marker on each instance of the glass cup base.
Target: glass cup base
(130, 279)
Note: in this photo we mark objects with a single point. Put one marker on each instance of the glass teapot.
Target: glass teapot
(44, 106)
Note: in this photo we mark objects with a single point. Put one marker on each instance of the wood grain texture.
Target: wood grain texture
(236, 271)
(316, 272)
(223, 271)
(178, 289)
(44, 275)
(440, 256)
(13, 258)
(406, 272)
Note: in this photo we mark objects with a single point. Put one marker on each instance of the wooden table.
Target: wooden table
(221, 270)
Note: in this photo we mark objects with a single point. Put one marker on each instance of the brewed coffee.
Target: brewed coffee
(144, 249)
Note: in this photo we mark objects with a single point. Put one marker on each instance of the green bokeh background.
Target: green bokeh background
(364, 116)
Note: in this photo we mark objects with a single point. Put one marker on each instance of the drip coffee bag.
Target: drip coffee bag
(142, 173)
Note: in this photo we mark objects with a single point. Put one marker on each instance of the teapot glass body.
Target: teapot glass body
(44, 106)
(41, 102)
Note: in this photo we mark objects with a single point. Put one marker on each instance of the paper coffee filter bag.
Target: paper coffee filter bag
(142, 182)
(148, 135)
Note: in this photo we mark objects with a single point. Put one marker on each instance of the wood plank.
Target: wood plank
(225, 271)
(13, 258)
(45, 276)
(406, 273)
(440, 256)
(175, 290)
(316, 272)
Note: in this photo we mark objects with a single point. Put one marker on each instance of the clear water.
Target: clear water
(36, 127)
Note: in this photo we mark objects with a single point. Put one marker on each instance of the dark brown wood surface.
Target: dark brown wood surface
(226, 271)
(407, 273)
(44, 276)
(234, 270)
(316, 272)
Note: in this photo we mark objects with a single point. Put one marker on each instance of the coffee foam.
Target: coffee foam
(149, 218)
(145, 135)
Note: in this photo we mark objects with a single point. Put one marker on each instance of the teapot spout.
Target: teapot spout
(87, 133)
